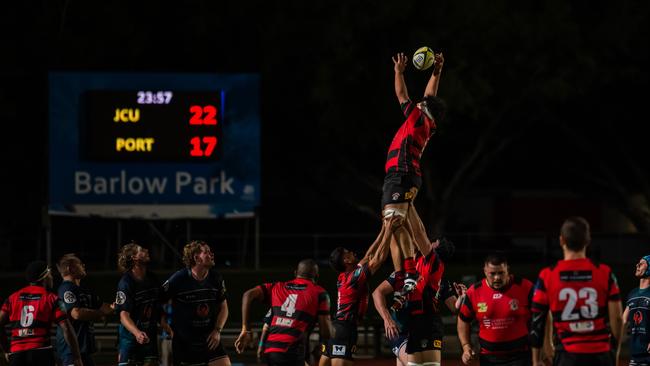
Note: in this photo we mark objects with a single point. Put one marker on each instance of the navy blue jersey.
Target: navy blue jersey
(142, 300)
(195, 304)
(74, 296)
(638, 302)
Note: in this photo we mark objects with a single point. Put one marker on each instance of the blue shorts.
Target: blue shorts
(130, 352)
(399, 342)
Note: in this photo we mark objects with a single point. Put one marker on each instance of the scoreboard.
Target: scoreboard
(154, 145)
(153, 125)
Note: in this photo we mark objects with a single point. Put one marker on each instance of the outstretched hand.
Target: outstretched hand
(400, 60)
(244, 340)
(438, 61)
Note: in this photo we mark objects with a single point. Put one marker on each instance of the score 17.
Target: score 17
(203, 115)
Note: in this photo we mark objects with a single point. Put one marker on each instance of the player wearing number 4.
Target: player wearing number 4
(30, 312)
(581, 294)
(296, 306)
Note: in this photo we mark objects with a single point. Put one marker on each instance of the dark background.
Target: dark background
(547, 111)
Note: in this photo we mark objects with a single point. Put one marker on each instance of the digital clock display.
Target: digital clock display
(152, 125)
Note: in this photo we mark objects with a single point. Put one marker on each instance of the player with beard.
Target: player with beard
(138, 303)
(500, 303)
(200, 309)
(83, 308)
(30, 313)
(637, 313)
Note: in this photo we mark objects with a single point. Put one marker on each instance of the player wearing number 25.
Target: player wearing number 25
(580, 294)
(296, 305)
(30, 313)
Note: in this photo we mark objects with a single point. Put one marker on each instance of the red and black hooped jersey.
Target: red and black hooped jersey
(353, 292)
(410, 140)
(577, 293)
(32, 311)
(503, 315)
(422, 300)
(295, 307)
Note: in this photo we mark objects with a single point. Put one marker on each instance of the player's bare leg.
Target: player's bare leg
(342, 362)
(404, 243)
(225, 361)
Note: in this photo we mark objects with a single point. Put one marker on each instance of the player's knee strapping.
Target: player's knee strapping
(430, 364)
(414, 364)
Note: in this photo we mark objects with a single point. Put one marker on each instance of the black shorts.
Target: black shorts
(423, 335)
(563, 358)
(344, 343)
(43, 356)
(397, 187)
(284, 359)
(188, 353)
(517, 359)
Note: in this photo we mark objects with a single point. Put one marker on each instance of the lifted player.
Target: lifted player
(403, 175)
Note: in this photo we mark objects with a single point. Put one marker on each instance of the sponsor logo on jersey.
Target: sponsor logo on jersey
(514, 304)
(338, 350)
(120, 298)
(497, 295)
(482, 307)
(638, 317)
(202, 310)
(69, 297)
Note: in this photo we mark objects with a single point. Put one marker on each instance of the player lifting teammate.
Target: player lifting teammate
(581, 295)
(353, 291)
(200, 309)
(403, 175)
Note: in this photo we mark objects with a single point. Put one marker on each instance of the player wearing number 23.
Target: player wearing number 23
(581, 295)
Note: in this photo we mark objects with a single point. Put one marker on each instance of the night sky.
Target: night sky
(543, 96)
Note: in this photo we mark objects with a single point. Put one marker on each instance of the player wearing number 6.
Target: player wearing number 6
(295, 307)
(30, 313)
(581, 295)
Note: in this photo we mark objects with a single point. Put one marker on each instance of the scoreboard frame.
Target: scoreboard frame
(154, 184)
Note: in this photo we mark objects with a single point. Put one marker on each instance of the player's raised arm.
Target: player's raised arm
(432, 86)
(399, 65)
(378, 251)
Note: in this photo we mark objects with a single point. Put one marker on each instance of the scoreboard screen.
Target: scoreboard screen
(152, 125)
